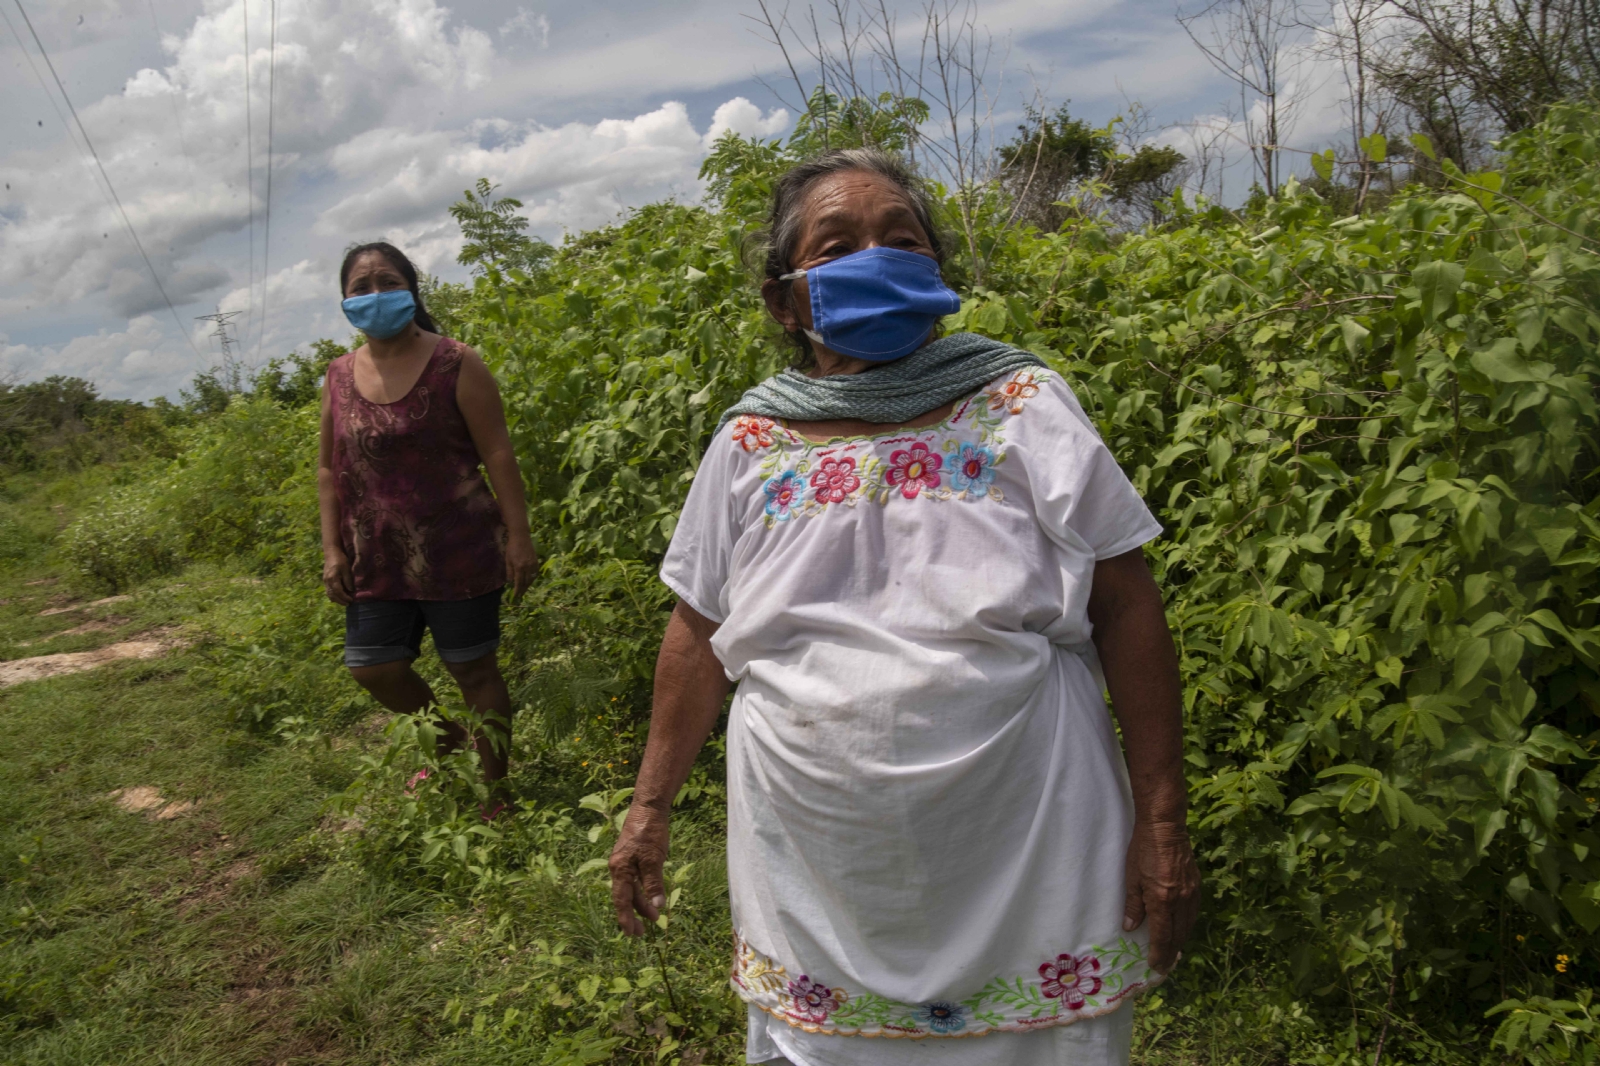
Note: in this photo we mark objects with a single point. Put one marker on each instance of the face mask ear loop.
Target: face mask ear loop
(796, 275)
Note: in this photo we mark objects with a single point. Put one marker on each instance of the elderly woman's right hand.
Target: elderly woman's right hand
(338, 579)
(637, 885)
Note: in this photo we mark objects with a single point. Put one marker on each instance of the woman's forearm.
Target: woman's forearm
(689, 689)
(506, 480)
(328, 512)
(1141, 669)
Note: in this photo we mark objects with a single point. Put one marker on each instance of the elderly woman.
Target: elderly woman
(907, 554)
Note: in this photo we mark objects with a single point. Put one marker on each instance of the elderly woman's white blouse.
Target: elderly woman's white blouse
(928, 811)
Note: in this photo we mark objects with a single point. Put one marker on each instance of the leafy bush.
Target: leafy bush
(125, 539)
(243, 487)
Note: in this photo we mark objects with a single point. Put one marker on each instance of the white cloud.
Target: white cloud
(570, 176)
(526, 23)
(173, 142)
(138, 362)
(745, 119)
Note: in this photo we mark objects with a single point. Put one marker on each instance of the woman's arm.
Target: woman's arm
(690, 687)
(336, 575)
(1141, 668)
(478, 397)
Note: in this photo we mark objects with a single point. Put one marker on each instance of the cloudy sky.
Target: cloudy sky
(383, 111)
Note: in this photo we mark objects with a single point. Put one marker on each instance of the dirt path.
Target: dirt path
(150, 645)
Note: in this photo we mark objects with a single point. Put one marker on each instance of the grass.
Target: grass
(225, 935)
(247, 930)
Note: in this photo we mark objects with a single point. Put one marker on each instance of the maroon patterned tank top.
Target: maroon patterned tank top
(416, 518)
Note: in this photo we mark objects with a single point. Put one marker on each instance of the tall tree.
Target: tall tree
(493, 230)
(1251, 41)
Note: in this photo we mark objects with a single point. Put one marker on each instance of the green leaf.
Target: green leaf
(1486, 822)
(1502, 361)
(1541, 787)
(1579, 901)
(1376, 147)
(1424, 145)
(1470, 657)
(1437, 282)
(1355, 335)
(1322, 163)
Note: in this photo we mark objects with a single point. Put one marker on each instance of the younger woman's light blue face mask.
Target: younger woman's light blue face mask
(876, 304)
(381, 314)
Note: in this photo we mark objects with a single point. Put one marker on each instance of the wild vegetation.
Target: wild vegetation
(1371, 437)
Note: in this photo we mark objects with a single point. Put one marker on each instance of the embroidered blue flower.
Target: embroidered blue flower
(973, 471)
(784, 492)
(942, 1017)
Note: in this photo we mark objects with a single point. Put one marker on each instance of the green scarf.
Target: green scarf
(893, 393)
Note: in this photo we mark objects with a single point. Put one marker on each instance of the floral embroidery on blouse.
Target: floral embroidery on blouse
(1069, 988)
(914, 469)
(753, 432)
(1071, 980)
(813, 1002)
(942, 1017)
(958, 459)
(783, 492)
(973, 470)
(1011, 394)
(835, 479)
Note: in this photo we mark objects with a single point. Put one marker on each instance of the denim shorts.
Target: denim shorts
(384, 631)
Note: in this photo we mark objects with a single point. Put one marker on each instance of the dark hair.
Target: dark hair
(398, 260)
(788, 195)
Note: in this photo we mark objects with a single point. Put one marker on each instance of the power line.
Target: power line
(266, 238)
(102, 168)
(66, 125)
(249, 165)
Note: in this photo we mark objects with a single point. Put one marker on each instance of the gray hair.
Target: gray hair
(783, 224)
(788, 196)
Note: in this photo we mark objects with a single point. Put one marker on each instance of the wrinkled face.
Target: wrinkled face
(372, 272)
(843, 213)
(852, 211)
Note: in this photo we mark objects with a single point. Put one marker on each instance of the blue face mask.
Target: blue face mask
(381, 314)
(876, 304)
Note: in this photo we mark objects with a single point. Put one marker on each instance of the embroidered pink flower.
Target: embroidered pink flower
(914, 469)
(1013, 393)
(1071, 979)
(835, 479)
(813, 1001)
(752, 431)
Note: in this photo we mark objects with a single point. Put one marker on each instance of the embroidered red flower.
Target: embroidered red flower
(835, 479)
(813, 1001)
(1011, 394)
(914, 469)
(752, 431)
(1071, 979)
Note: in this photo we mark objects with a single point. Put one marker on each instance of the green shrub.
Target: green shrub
(243, 487)
(124, 539)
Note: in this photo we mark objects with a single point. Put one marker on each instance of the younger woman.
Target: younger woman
(412, 538)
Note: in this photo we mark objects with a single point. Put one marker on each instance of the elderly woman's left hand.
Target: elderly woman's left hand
(1163, 887)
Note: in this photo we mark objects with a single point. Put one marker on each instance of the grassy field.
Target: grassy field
(228, 919)
(216, 933)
